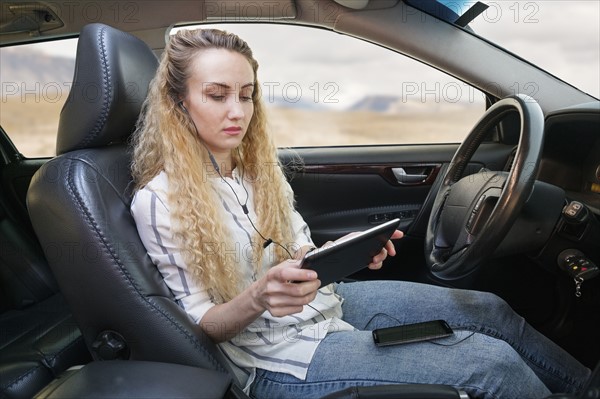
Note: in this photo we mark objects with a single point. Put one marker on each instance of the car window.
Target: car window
(35, 83)
(544, 33)
(323, 89)
(327, 89)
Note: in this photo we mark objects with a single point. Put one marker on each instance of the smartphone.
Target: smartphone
(412, 333)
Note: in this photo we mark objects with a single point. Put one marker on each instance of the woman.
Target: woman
(217, 217)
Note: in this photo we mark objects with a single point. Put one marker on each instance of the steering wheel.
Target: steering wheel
(471, 215)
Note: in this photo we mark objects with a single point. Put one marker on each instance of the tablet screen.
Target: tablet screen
(349, 254)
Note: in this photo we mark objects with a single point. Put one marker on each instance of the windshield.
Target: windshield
(561, 37)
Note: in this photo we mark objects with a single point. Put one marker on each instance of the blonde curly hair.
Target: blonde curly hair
(165, 140)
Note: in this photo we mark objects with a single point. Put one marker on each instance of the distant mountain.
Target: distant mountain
(30, 70)
(377, 103)
(409, 106)
(297, 103)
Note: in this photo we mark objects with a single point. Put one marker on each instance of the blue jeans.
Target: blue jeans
(494, 353)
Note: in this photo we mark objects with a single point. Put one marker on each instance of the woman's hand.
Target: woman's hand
(378, 259)
(388, 249)
(286, 288)
(274, 292)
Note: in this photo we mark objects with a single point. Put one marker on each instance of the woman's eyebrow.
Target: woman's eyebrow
(228, 87)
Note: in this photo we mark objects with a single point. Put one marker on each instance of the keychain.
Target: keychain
(578, 266)
(578, 282)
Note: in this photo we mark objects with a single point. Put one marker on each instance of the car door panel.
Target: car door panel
(344, 189)
(339, 190)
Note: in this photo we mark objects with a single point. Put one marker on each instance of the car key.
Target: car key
(578, 266)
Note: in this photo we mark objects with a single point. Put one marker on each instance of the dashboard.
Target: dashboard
(571, 153)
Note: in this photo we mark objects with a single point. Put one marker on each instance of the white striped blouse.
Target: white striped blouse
(283, 344)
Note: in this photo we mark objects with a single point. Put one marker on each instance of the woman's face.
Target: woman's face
(219, 98)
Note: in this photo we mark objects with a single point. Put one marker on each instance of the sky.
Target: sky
(562, 37)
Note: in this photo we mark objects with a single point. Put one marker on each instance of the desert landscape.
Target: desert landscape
(35, 86)
(297, 127)
(32, 125)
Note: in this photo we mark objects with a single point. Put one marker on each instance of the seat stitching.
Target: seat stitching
(46, 361)
(94, 167)
(21, 377)
(107, 89)
(93, 225)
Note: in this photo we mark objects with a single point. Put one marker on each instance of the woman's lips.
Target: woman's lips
(233, 130)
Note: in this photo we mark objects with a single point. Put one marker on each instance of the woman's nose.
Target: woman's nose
(236, 109)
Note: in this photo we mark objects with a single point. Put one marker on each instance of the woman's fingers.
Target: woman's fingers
(389, 246)
(288, 288)
(291, 298)
(290, 271)
(396, 235)
(388, 249)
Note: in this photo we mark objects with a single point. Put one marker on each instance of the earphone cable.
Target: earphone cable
(267, 240)
(244, 206)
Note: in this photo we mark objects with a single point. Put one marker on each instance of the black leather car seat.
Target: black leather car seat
(79, 202)
(79, 206)
(39, 339)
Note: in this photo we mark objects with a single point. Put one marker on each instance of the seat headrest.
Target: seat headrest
(112, 72)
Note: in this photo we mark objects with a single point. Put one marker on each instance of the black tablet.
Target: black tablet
(349, 255)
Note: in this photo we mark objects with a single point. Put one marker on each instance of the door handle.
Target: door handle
(405, 178)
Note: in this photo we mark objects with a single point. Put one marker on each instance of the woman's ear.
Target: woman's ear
(183, 107)
(181, 101)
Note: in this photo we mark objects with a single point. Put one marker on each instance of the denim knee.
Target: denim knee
(505, 375)
(488, 312)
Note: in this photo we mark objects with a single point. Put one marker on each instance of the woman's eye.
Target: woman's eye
(246, 98)
(217, 97)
